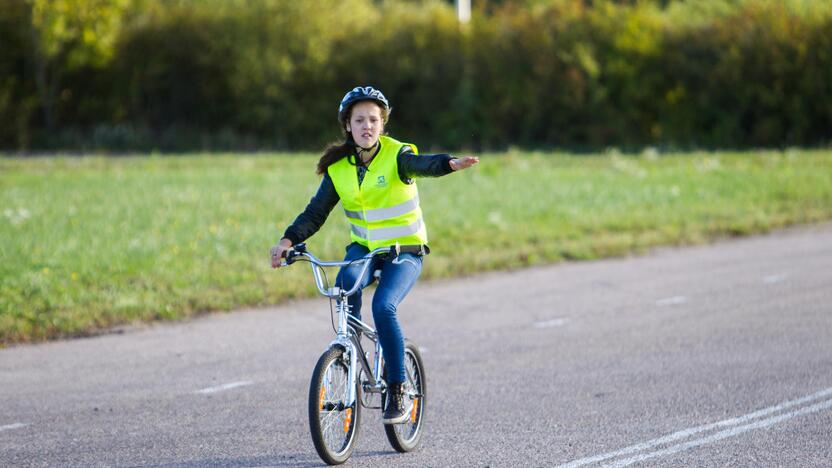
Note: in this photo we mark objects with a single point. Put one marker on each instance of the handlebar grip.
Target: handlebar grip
(295, 251)
(290, 255)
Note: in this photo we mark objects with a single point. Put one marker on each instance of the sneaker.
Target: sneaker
(398, 405)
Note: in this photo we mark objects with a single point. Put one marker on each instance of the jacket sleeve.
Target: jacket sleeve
(423, 165)
(315, 214)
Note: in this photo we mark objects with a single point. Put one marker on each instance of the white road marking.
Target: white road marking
(771, 279)
(550, 323)
(724, 434)
(9, 427)
(227, 386)
(707, 427)
(675, 300)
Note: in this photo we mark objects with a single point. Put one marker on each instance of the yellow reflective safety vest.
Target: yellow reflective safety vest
(384, 210)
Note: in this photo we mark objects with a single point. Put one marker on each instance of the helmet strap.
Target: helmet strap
(372, 151)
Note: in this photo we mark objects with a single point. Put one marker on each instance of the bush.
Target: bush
(559, 73)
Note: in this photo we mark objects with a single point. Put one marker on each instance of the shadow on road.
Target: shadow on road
(296, 460)
(265, 460)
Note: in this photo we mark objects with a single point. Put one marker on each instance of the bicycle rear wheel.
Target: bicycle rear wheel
(405, 437)
(332, 423)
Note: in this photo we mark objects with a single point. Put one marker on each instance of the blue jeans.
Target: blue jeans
(398, 275)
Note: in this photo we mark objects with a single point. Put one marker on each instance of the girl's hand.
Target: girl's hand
(458, 164)
(278, 251)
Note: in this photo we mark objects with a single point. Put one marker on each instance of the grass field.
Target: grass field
(90, 243)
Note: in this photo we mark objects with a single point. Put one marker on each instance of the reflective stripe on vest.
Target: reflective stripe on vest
(382, 234)
(380, 214)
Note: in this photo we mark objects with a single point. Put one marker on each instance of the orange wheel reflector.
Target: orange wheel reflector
(414, 411)
(323, 396)
(348, 420)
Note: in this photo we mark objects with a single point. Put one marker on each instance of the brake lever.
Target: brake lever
(289, 257)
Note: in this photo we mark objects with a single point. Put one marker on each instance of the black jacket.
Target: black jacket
(319, 207)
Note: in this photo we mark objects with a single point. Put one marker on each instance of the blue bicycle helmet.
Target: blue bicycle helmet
(359, 93)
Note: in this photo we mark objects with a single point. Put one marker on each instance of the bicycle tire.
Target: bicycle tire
(333, 426)
(406, 436)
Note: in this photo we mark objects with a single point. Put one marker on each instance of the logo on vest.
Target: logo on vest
(381, 181)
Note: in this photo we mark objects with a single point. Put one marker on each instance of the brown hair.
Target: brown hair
(337, 151)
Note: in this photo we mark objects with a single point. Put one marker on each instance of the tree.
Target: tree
(69, 34)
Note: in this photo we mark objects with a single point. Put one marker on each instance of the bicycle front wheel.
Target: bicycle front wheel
(405, 437)
(333, 422)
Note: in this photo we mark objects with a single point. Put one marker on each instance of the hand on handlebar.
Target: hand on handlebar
(279, 251)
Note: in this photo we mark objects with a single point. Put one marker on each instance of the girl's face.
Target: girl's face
(365, 123)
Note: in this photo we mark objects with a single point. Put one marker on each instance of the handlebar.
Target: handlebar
(299, 252)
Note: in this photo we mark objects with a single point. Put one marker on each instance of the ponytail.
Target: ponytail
(334, 153)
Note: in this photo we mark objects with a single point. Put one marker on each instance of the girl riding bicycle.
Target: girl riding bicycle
(372, 174)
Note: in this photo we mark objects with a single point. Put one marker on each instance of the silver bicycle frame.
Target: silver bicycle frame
(345, 320)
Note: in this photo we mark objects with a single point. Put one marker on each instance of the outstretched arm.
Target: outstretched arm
(430, 165)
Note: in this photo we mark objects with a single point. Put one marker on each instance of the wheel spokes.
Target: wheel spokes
(414, 384)
(336, 419)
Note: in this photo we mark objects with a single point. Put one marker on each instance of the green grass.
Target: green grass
(90, 243)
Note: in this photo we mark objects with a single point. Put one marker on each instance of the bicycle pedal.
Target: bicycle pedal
(369, 387)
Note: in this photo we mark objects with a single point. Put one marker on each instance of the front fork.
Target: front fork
(354, 354)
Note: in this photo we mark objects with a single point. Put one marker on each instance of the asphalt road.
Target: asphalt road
(706, 356)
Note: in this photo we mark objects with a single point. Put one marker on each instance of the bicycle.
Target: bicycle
(344, 380)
